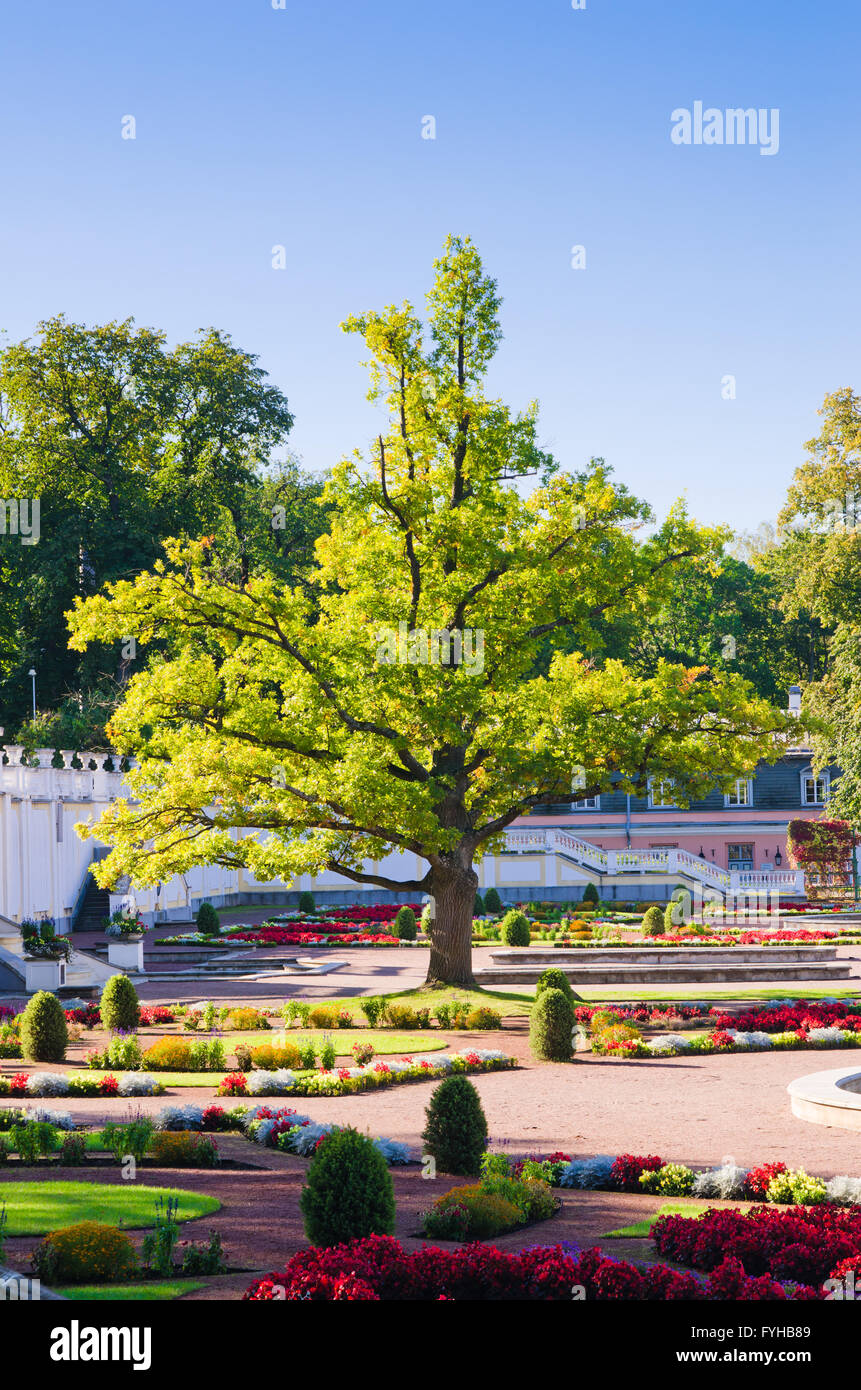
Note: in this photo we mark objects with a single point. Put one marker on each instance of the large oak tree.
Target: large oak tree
(276, 735)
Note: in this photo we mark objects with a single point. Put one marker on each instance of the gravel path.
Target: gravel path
(690, 1109)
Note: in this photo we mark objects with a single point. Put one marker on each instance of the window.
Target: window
(589, 803)
(662, 793)
(814, 790)
(741, 794)
(739, 856)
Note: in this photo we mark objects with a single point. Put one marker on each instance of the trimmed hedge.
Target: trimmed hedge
(349, 1191)
(455, 1133)
(551, 1024)
(119, 1006)
(44, 1031)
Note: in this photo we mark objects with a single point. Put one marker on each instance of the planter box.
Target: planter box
(127, 955)
(44, 974)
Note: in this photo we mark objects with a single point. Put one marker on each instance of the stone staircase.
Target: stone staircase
(624, 866)
(95, 907)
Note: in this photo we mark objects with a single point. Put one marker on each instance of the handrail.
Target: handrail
(667, 861)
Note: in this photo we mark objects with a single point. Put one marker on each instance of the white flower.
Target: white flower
(47, 1083)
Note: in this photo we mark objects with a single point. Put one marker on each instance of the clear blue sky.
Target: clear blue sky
(302, 126)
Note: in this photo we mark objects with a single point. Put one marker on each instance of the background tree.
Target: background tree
(281, 730)
(821, 575)
(126, 442)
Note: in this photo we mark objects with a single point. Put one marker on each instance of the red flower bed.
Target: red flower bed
(641, 1013)
(90, 1015)
(757, 1180)
(299, 935)
(156, 1013)
(626, 1170)
(379, 1269)
(233, 1084)
(379, 912)
(787, 937)
(790, 1018)
(797, 1243)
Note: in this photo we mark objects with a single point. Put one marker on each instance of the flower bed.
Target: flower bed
(58, 1083)
(790, 1024)
(348, 1080)
(309, 934)
(802, 1243)
(769, 1182)
(379, 1269)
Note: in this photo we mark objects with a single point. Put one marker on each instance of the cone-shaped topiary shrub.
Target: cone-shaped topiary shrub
(306, 902)
(492, 901)
(349, 1191)
(478, 906)
(514, 929)
(455, 1132)
(119, 1006)
(44, 1033)
(554, 979)
(207, 920)
(590, 893)
(551, 1023)
(405, 924)
(653, 921)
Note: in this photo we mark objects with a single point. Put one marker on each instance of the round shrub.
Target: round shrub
(553, 978)
(271, 1056)
(653, 921)
(245, 1019)
(405, 924)
(306, 903)
(455, 1132)
(168, 1054)
(349, 1191)
(478, 908)
(401, 1016)
(551, 1024)
(207, 920)
(87, 1252)
(515, 928)
(470, 1212)
(183, 1149)
(323, 1016)
(44, 1032)
(484, 1019)
(492, 902)
(590, 894)
(119, 1007)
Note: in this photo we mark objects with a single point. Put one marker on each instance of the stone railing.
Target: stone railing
(662, 861)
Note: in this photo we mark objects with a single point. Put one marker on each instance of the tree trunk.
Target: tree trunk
(453, 889)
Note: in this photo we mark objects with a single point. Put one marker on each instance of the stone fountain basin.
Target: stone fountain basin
(828, 1097)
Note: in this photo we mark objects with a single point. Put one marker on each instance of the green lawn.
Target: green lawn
(685, 1207)
(33, 1208)
(425, 997)
(126, 1293)
(383, 1040)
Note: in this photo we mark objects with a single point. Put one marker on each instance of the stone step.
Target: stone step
(632, 974)
(658, 955)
